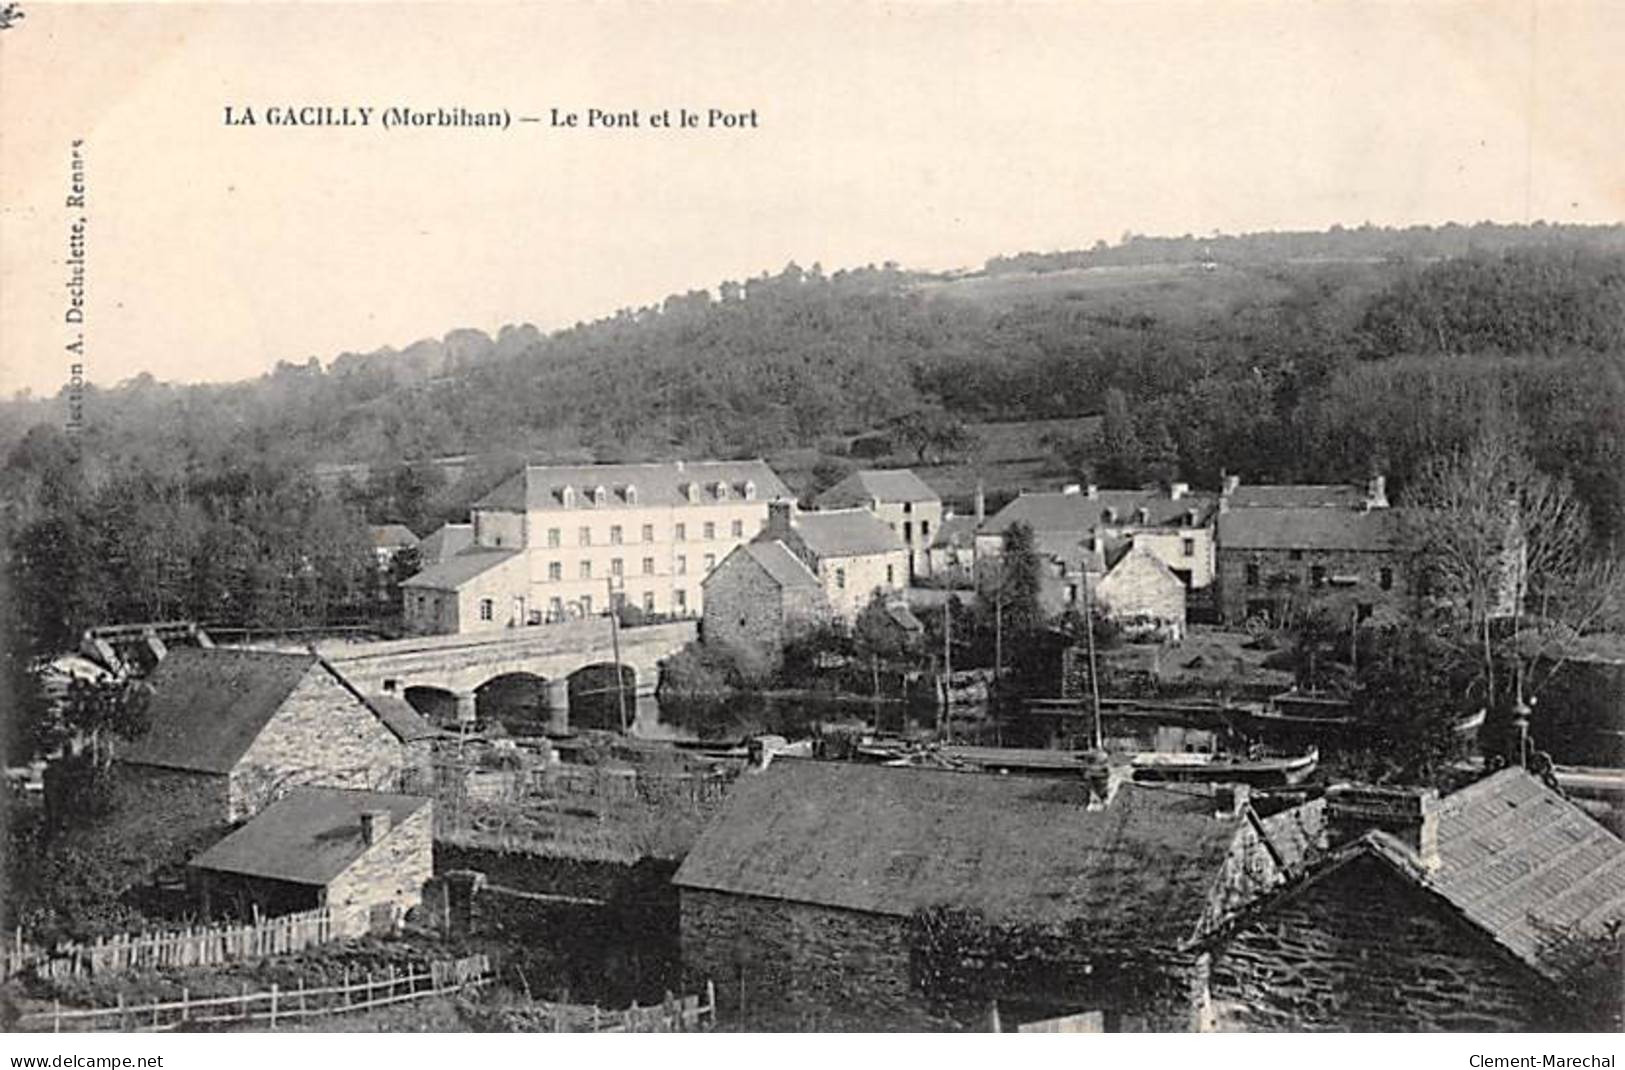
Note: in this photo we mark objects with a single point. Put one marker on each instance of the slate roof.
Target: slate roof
(1059, 511)
(541, 487)
(1309, 529)
(1526, 865)
(959, 531)
(885, 484)
(845, 533)
(454, 572)
(308, 837)
(445, 542)
(782, 567)
(392, 536)
(209, 705)
(399, 717)
(1020, 849)
(1297, 496)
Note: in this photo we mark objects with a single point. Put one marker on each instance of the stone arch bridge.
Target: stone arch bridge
(462, 664)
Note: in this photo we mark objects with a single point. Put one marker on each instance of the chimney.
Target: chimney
(1177, 491)
(1232, 484)
(679, 466)
(1092, 492)
(1376, 493)
(374, 826)
(779, 515)
(1410, 815)
(981, 504)
(1072, 488)
(1231, 799)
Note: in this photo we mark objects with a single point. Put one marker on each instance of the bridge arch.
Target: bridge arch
(437, 704)
(593, 699)
(523, 703)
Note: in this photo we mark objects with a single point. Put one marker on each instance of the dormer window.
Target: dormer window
(750, 490)
(721, 491)
(567, 497)
(631, 494)
(1109, 515)
(600, 496)
(691, 492)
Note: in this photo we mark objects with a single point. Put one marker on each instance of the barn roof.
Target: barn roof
(1020, 849)
(454, 572)
(209, 705)
(1080, 512)
(445, 542)
(542, 487)
(882, 484)
(782, 567)
(307, 837)
(1309, 529)
(1297, 496)
(845, 533)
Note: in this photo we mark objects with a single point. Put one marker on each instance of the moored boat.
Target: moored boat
(1291, 769)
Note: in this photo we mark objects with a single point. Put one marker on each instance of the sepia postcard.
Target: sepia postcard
(843, 518)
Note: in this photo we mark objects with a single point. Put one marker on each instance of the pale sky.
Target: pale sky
(932, 134)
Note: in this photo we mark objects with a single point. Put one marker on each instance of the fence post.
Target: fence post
(56, 1017)
(184, 1014)
(273, 1005)
(123, 1026)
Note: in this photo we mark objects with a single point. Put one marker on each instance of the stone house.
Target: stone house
(364, 854)
(1174, 524)
(1474, 912)
(824, 895)
(953, 550)
(853, 553)
(558, 542)
(900, 498)
(1140, 591)
(760, 597)
(1276, 559)
(232, 730)
(389, 541)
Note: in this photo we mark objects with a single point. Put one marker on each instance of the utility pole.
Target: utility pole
(615, 643)
(947, 664)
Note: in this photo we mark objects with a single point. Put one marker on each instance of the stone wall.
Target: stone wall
(849, 582)
(168, 814)
(792, 966)
(744, 607)
(1139, 588)
(1285, 580)
(393, 870)
(322, 735)
(1361, 949)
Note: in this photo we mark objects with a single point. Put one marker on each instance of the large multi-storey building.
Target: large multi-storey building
(553, 543)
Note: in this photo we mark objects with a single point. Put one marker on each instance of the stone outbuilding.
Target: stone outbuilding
(904, 501)
(1486, 910)
(761, 597)
(363, 854)
(1142, 593)
(232, 730)
(844, 896)
(853, 553)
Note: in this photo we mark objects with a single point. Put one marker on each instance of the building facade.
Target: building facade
(904, 501)
(761, 597)
(556, 543)
(854, 553)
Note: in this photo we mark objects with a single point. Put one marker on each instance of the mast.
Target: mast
(1094, 677)
(615, 642)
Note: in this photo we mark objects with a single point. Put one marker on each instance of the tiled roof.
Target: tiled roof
(1529, 867)
(399, 717)
(781, 566)
(1078, 512)
(1309, 529)
(1297, 496)
(307, 837)
(959, 531)
(542, 487)
(845, 533)
(391, 536)
(1020, 849)
(454, 572)
(884, 484)
(445, 542)
(209, 705)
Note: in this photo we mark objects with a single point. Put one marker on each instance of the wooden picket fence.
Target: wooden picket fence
(270, 1007)
(686, 1014)
(200, 945)
(701, 789)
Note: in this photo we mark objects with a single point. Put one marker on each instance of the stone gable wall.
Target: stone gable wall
(1234, 594)
(321, 735)
(744, 608)
(1138, 588)
(1360, 950)
(392, 871)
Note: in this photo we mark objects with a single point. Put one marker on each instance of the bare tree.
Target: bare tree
(1494, 535)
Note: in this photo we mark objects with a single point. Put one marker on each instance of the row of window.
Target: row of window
(1317, 576)
(617, 567)
(557, 609)
(617, 534)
